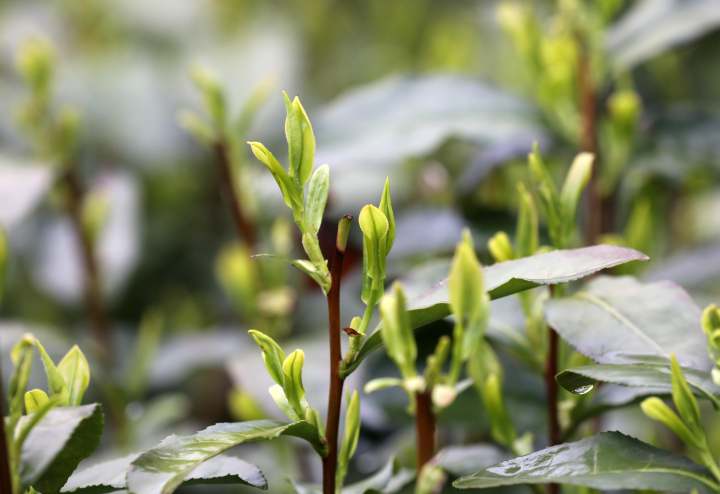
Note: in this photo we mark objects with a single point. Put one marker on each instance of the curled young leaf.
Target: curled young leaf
(656, 409)
(272, 354)
(382, 383)
(500, 247)
(467, 297)
(375, 226)
(683, 397)
(293, 386)
(317, 198)
(387, 209)
(300, 139)
(35, 399)
(75, 370)
(212, 94)
(396, 332)
(575, 182)
(350, 437)
(290, 192)
(526, 233)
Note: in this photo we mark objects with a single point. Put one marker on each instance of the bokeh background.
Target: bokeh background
(445, 98)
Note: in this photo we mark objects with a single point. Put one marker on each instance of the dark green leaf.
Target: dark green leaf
(607, 461)
(652, 376)
(428, 298)
(55, 447)
(620, 320)
(164, 468)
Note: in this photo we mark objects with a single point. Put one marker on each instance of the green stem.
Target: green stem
(710, 462)
(6, 477)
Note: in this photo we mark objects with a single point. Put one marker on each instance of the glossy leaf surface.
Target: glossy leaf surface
(607, 461)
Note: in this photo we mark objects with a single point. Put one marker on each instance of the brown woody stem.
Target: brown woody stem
(329, 464)
(598, 214)
(424, 429)
(243, 225)
(551, 392)
(92, 287)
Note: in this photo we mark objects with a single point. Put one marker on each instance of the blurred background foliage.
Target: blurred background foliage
(445, 98)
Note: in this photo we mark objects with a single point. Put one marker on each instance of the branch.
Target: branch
(424, 429)
(243, 225)
(336, 381)
(94, 304)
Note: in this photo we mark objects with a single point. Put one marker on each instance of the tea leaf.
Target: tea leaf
(35, 399)
(428, 300)
(607, 461)
(165, 467)
(617, 320)
(396, 332)
(110, 476)
(317, 198)
(272, 355)
(57, 444)
(75, 370)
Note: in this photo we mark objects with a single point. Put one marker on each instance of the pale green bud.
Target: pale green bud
(75, 370)
(291, 193)
(316, 198)
(35, 61)
(577, 179)
(443, 395)
(375, 226)
(656, 409)
(35, 399)
(526, 234)
(431, 479)
(683, 397)
(300, 139)
(293, 386)
(95, 212)
(212, 94)
(500, 247)
(351, 435)
(396, 332)
(272, 354)
(468, 300)
(624, 108)
(386, 207)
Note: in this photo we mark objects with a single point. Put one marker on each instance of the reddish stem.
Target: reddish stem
(424, 429)
(243, 225)
(336, 381)
(92, 286)
(551, 393)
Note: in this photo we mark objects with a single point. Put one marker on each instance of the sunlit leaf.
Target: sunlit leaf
(54, 448)
(607, 461)
(164, 468)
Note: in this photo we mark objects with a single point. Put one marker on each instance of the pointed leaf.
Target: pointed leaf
(428, 298)
(617, 320)
(53, 449)
(110, 476)
(317, 198)
(75, 370)
(162, 469)
(607, 461)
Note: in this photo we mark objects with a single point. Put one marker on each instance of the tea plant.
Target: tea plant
(608, 320)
